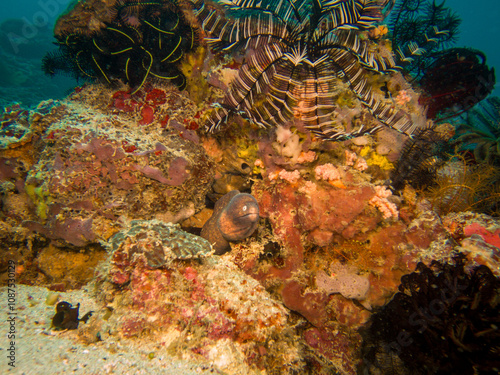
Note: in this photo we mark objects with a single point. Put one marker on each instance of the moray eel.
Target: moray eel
(235, 217)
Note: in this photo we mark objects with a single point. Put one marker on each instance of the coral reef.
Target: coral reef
(68, 269)
(86, 176)
(235, 217)
(205, 309)
(307, 57)
(74, 173)
(388, 209)
(442, 320)
(154, 243)
(254, 250)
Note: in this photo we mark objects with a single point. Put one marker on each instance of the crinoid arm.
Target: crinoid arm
(297, 54)
(140, 40)
(420, 159)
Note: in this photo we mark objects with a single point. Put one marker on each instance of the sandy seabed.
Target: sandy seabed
(40, 350)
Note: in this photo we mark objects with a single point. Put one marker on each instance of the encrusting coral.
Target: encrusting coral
(157, 243)
(87, 174)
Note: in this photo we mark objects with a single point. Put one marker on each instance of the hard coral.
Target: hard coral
(195, 309)
(154, 243)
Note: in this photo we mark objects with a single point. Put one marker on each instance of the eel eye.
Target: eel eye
(244, 208)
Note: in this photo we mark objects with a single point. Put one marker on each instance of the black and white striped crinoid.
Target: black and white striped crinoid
(297, 54)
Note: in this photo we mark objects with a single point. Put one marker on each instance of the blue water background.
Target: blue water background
(480, 29)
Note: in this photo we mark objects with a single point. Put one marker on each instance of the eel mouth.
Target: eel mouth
(252, 216)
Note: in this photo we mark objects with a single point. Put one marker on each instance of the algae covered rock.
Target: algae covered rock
(155, 244)
(200, 306)
(96, 170)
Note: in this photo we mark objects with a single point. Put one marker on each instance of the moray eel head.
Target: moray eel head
(240, 217)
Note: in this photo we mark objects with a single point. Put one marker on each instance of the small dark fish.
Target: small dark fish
(66, 316)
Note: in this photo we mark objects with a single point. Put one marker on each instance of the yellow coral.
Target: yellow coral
(373, 158)
(40, 198)
(248, 151)
(191, 67)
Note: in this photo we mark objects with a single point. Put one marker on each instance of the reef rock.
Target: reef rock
(205, 308)
(97, 167)
(154, 244)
